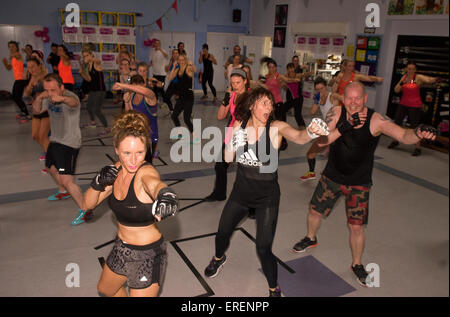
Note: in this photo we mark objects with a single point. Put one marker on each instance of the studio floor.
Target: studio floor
(407, 237)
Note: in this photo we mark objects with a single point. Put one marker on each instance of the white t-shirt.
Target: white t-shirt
(326, 106)
(158, 63)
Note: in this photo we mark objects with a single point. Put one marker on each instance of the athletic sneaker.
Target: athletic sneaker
(44, 171)
(361, 274)
(83, 216)
(308, 175)
(275, 293)
(156, 154)
(305, 244)
(213, 268)
(42, 157)
(59, 196)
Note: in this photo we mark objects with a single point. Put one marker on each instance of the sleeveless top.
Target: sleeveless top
(229, 132)
(144, 108)
(411, 94)
(65, 72)
(253, 188)
(294, 89)
(326, 106)
(207, 65)
(343, 83)
(274, 87)
(351, 157)
(17, 67)
(130, 211)
(184, 85)
(97, 82)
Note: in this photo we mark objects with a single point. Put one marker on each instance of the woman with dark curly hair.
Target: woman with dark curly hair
(255, 142)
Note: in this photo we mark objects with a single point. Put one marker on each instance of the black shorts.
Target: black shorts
(63, 157)
(414, 115)
(41, 115)
(142, 265)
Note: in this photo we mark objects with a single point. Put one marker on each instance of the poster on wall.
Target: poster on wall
(106, 34)
(337, 46)
(279, 37)
(71, 34)
(367, 54)
(125, 35)
(301, 43)
(281, 14)
(401, 7)
(429, 7)
(89, 34)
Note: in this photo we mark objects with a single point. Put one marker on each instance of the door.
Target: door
(255, 47)
(221, 46)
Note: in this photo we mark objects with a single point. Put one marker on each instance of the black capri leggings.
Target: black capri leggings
(208, 78)
(17, 95)
(266, 223)
(184, 104)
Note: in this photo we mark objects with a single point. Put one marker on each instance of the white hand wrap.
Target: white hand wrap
(321, 124)
(240, 137)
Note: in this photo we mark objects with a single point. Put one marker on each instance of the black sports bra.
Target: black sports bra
(130, 211)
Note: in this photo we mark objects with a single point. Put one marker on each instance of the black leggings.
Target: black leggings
(170, 91)
(208, 78)
(184, 104)
(266, 223)
(17, 95)
(297, 103)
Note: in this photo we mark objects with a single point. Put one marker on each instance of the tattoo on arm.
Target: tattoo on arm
(330, 115)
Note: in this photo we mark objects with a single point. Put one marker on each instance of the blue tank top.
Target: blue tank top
(144, 108)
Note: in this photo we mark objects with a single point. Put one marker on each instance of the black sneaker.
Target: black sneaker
(275, 293)
(416, 152)
(305, 244)
(393, 144)
(251, 214)
(361, 274)
(213, 268)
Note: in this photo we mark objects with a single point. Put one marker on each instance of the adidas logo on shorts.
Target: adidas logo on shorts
(143, 279)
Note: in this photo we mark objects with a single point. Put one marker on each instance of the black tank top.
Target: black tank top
(253, 188)
(184, 85)
(351, 157)
(207, 65)
(130, 211)
(97, 82)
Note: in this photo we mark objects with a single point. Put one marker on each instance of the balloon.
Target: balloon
(46, 38)
(38, 33)
(45, 30)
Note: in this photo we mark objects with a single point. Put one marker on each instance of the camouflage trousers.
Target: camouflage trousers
(356, 200)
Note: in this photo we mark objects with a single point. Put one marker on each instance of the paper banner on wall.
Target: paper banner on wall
(301, 43)
(337, 46)
(74, 62)
(106, 34)
(313, 44)
(323, 48)
(125, 35)
(109, 61)
(89, 34)
(70, 34)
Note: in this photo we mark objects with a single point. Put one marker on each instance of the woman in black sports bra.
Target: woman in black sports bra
(255, 144)
(139, 199)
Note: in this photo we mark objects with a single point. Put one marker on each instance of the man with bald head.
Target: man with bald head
(354, 133)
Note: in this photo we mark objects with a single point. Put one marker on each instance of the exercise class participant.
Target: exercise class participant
(207, 60)
(293, 97)
(142, 99)
(53, 58)
(93, 74)
(63, 107)
(239, 84)
(354, 133)
(185, 101)
(138, 199)
(410, 102)
(16, 63)
(326, 101)
(65, 68)
(157, 63)
(171, 88)
(256, 184)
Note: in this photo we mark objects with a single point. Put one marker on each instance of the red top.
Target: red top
(343, 83)
(411, 94)
(65, 72)
(274, 87)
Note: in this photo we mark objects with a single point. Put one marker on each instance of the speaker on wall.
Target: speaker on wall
(236, 15)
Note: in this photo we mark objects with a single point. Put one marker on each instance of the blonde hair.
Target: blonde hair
(130, 123)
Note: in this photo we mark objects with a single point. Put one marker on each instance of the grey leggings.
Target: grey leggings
(94, 106)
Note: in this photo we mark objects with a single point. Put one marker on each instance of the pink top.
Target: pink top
(293, 87)
(274, 87)
(411, 94)
(233, 118)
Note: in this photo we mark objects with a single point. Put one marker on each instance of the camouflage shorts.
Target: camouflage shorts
(356, 200)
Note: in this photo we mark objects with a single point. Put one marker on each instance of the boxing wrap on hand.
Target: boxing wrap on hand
(166, 203)
(321, 124)
(105, 177)
(345, 126)
(425, 128)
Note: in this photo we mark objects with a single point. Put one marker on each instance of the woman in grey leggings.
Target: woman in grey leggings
(93, 74)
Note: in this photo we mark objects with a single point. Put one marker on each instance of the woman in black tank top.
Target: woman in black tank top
(185, 101)
(255, 144)
(139, 199)
(208, 72)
